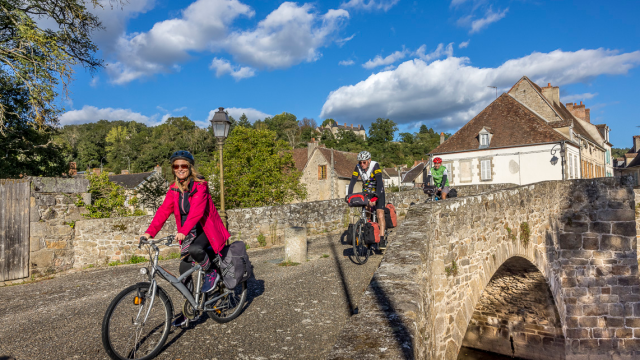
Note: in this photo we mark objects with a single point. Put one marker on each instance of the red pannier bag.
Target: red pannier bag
(371, 233)
(390, 217)
(357, 199)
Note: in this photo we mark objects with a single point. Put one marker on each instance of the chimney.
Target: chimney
(580, 111)
(345, 125)
(552, 93)
(636, 143)
(124, 172)
(157, 169)
(351, 126)
(311, 146)
(441, 137)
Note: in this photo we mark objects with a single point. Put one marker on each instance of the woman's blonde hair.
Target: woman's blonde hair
(193, 175)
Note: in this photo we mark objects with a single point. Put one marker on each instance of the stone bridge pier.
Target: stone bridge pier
(544, 271)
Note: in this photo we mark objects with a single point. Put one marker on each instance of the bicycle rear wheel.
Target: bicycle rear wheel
(360, 249)
(125, 335)
(230, 306)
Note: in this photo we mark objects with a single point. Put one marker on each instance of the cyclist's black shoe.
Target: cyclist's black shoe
(383, 242)
(210, 281)
(179, 321)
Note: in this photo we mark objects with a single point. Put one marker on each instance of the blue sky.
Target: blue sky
(415, 62)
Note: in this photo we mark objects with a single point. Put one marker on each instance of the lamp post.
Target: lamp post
(220, 123)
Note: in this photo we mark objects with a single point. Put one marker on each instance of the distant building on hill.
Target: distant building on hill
(334, 128)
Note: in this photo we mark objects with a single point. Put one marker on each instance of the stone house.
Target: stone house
(414, 177)
(325, 172)
(630, 164)
(507, 143)
(133, 182)
(334, 128)
(574, 122)
(391, 177)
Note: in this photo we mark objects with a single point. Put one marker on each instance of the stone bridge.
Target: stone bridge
(544, 271)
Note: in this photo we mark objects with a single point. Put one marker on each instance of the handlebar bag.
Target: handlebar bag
(429, 189)
(371, 233)
(234, 264)
(357, 199)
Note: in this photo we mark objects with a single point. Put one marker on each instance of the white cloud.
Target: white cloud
(114, 19)
(439, 52)
(90, 114)
(380, 61)
(346, 62)
(162, 109)
(288, 36)
(168, 42)
(341, 42)
(489, 18)
(183, 108)
(223, 67)
(94, 81)
(464, 44)
(576, 97)
(453, 91)
(252, 114)
(370, 5)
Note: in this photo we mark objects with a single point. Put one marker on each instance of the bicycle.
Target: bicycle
(361, 249)
(433, 193)
(133, 328)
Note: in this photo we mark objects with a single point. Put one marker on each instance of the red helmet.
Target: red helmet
(437, 160)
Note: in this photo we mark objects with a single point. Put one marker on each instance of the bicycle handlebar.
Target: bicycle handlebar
(144, 240)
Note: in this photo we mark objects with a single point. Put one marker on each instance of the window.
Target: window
(484, 139)
(322, 172)
(485, 169)
(575, 166)
(465, 171)
(449, 173)
(571, 166)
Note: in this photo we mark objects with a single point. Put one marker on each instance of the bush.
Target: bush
(108, 199)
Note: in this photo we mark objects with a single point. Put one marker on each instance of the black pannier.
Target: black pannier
(452, 193)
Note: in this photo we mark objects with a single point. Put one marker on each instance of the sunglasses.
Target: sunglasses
(363, 162)
(181, 166)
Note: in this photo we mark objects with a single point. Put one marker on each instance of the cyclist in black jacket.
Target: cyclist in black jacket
(371, 175)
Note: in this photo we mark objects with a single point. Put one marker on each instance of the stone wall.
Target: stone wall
(53, 214)
(579, 234)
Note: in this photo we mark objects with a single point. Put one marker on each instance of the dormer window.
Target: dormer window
(484, 137)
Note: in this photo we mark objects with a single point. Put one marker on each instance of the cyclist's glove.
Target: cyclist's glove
(184, 247)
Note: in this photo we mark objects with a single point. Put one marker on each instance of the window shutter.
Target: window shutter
(570, 166)
(485, 169)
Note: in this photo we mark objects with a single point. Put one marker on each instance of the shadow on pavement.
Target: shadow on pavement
(7, 358)
(255, 288)
(395, 323)
(345, 289)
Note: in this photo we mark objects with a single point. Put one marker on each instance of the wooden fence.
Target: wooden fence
(14, 229)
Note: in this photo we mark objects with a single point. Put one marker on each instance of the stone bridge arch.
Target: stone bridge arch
(579, 234)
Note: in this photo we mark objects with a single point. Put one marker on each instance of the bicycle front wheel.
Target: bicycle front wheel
(360, 249)
(125, 332)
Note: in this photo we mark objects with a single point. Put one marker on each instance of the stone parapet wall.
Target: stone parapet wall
(98, 242)
(580, 235)
(53, 213)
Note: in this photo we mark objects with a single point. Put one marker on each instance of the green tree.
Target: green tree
(382, 131)
(118, 149)
(258, 170)
(244, 121)
(107, 199)
(327, 122)
(619, 152)
(43, 59)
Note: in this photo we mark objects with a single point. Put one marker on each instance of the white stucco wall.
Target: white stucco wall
(520, 165)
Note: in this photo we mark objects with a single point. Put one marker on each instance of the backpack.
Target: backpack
(234, 264)
(357, 199)
(371, 233)
(452, 193)
(390, 217)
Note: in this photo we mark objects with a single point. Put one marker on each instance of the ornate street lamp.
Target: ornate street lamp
(220, 123)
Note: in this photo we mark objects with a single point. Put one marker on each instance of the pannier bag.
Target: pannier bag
(371, 233)
(357, 199)
(390, 217)
(452, 193)
(429, 189)
(234, 264)
(350, 234)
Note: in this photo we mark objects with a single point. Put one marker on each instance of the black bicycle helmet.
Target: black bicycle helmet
(184, 155)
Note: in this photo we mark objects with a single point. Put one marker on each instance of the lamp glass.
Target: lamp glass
(220, 123)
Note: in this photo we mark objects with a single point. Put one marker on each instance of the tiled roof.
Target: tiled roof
(560, 124)
(130, 181)
(512, 123)
(300, 157)
(635, 161)
(343, 162)
(630, 155)
(412, 174)
(391, 171)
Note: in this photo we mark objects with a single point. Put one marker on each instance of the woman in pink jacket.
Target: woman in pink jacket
(198, 222)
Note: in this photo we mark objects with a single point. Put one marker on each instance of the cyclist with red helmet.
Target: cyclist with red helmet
(439, 175)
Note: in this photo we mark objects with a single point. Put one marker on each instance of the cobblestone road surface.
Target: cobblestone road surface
(293, 312)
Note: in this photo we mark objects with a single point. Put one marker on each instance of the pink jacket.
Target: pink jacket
(202, 210)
